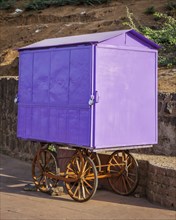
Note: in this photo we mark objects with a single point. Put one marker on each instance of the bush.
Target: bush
(6, 4)
(150, 10)
(171, 6)
(165, 36)
(42, 4)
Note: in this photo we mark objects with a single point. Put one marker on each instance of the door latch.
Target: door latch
(94, 98)
(91, 100)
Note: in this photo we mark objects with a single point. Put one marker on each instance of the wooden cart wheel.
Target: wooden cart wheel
(44, 161)
(124, 163)
(85, 187)
(95, 158)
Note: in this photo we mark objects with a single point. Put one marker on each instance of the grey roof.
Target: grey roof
(80, 39)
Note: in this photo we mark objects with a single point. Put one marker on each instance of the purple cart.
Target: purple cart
(89, 92)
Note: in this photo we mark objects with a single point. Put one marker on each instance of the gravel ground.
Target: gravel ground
(161, 161)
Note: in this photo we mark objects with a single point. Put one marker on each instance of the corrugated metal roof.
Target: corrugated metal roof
(81, 39)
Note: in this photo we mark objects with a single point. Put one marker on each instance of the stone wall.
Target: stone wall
(161, 186)
(9, 143)
(25, 149)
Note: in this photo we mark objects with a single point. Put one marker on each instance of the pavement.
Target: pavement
(15, 203)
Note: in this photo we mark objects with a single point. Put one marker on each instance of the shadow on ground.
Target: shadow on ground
(15, 174)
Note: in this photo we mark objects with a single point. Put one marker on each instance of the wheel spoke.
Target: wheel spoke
(78, 165)
(73, 185)
(84, 166)
(127, 181)
(88, 184)
(115, 160)
(130, 179)
(124, 184)
(132, 174)
(87, 190)
(76, 190)
(73, 168)
(79, 190)
(83, 190)
(88, 169)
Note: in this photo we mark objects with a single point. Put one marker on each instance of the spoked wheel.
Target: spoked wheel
(44, 161)
(96, 159)
(126, 165)
(84, 170)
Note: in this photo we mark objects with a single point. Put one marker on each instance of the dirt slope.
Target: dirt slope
(18, 30)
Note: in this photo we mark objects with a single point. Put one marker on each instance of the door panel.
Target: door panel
(59, 77)
(25, 84)
(56, 107)
(41, 70)
(79, 87)
(126, 112)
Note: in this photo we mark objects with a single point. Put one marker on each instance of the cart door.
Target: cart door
(54, 91)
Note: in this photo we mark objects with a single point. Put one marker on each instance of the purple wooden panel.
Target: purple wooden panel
(53, 124)
(44, 121)
(73, 126)
(134, 41)
(39, 123)
(41, 71)
(59, 109)
(80, 77)
(25, 79)
(126, 111)
(36, 125)
(28, 123)
(62, 126)
(84, 128)
(57, 125)
(59, 77)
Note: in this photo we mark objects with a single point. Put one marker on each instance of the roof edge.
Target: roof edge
(125, 31)
(145, 39)
(59, 46)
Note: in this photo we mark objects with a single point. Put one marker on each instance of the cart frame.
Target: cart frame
(83, 171)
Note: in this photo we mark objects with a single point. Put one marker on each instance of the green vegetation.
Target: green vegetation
(164, 34)
(52, 148)
(171, 6)
(150, 10)
(6, 4)
(42, 4)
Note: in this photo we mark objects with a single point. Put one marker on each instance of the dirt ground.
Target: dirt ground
(15, 203)
(20, 29)
(159, 160)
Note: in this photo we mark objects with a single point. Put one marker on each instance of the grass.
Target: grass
(171, 6)
(6, 4)
(150, 10)
(42, 4)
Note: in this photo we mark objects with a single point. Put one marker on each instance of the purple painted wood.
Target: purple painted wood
(128, 108)
(87, 38)
(117, 69)
(56, 108)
